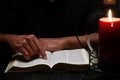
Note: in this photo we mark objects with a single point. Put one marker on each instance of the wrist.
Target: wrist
(71, 43)
(5, 37)
(2, 37)
(82, 41)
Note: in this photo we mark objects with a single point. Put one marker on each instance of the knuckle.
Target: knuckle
(29, 37)
(20, 44)
(24, 41)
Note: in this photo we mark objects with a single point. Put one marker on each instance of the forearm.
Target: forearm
(72, 42)
(94, 37)
(3, 37)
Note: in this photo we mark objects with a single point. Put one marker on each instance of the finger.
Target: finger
(28, 48)
(32, 45)
(41, 52)
(25, 53)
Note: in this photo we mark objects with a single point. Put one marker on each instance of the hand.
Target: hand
(28, 45)
(52, 44)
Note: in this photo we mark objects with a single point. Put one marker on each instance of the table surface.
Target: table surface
(62, 76)
(92, 74)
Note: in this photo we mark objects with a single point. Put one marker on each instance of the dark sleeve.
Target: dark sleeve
(95, 12)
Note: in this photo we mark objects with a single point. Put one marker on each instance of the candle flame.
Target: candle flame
(110, 15)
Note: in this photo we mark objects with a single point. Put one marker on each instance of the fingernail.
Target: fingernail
(40, 56)
(45, 57)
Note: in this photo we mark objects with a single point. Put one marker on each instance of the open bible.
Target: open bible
(63, 60)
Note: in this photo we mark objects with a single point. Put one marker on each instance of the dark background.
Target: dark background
(4, 49)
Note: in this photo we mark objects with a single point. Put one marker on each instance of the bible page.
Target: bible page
(58, 57)
(74, 56)
(77, 56)
(37, 61)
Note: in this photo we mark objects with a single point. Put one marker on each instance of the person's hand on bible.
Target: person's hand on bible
(28, 45)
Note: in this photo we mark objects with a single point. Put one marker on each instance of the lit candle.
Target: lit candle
(109, 41)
